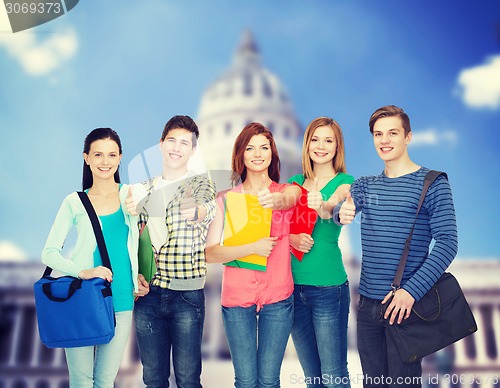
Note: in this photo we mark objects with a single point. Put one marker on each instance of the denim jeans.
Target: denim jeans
(319, 334)
(97, 366)
(165, 321)
(257, 342)
(380, 360)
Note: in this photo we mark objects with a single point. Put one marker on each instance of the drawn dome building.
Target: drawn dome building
(248, 92)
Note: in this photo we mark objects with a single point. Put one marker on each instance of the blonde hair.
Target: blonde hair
(338, 160)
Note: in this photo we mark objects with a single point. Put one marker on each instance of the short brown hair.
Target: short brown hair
(338, 161)
(390, 111)
(181, 122)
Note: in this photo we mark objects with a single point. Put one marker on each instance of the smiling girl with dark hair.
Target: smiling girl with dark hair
(97, 366)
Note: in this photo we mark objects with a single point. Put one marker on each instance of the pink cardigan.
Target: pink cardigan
(245, 287)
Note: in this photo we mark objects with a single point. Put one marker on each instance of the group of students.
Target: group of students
(308, 299)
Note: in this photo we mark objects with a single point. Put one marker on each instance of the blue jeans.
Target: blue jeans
(319, 334)
(380, 360)
(257, 342)
(97, 366)
(168, 320)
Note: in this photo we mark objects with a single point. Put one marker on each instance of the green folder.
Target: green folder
(147, 263)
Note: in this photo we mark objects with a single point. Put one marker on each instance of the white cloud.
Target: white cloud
(433, 137)
(11, 252)
(40, 58)
(480, 85)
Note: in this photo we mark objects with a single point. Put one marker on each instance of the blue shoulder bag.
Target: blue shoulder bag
(73, 312)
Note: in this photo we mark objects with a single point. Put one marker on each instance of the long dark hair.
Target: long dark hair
(98, 134)
(239, 171)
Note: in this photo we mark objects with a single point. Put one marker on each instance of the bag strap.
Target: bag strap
(74, 286)
(430, 177)
(97, 228)
(97, 231)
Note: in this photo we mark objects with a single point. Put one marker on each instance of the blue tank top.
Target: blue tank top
(115, 233)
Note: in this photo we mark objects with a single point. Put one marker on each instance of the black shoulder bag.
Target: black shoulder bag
(441, 317)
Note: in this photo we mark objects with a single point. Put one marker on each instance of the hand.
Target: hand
(143, 287)
(400, 306)
(131, 203)
(264, 196)
(136, 193)
(264, 246)
(347, 210)
(188, 205)
(302, 242)
(314, 197)
(97, 272)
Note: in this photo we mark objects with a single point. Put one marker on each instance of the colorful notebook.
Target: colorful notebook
(302, 221)
(246, 221)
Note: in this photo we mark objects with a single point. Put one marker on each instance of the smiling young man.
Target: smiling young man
(389, 202)
(177, 211)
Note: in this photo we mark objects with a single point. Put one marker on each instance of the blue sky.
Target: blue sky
(132, 65)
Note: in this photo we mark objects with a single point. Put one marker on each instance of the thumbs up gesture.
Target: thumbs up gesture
(130, 202)
(188, 207)
(264, 196)
(347, 210)
(314, 198)
(134, 196)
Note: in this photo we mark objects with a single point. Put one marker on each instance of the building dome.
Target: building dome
(247, 92)
(245, 86)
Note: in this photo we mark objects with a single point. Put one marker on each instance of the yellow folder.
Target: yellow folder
(246, 221)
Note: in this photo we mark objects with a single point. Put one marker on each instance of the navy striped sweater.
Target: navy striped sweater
(388, 207)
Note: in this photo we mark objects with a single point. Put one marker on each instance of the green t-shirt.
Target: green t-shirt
(322, 265)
